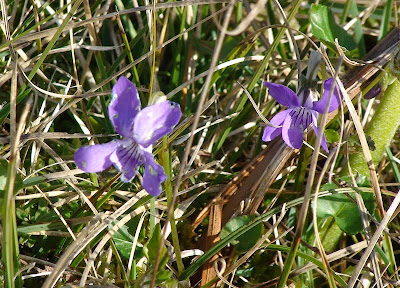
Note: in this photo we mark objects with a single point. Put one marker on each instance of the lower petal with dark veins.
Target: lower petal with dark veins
(127, 158)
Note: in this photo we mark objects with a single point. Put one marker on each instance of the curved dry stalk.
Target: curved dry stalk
(307, 196)
(260, 173)
(199, 111)
(95, 227)
(245, 22)
(367, 228)
(259, 243)
(365, 148)
(110, 233)
(321, 249)
(259, 113)
(50, 32)
(378, 233)
(72, 251)
(218, 67)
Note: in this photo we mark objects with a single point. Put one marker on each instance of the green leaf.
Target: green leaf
(153, 243)
(3, 174)
(164, 275)
(124, 237)
(34, 181)
(3, 182)
(244, 242)
(328, 186)
(332, 136)
(330, 234)
(361, 180)
(344, 211)
(3, 177)
(324, 27)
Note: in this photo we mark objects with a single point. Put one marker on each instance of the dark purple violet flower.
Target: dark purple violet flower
(374, 92)
(302, 110)
(139, 129)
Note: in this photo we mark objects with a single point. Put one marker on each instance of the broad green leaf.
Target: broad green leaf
(244, 242)
(361, 180)
(124, 237)
(245, 272)
(330, 234)
(332, 136)
(324, 27)
(344, 211)
(164, 275)
(328, 186)
(151, 250)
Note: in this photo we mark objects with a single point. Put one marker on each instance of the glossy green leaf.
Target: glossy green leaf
(324, 27)
(244, 242)
(330, 234)
(344, 210)
(124, 238)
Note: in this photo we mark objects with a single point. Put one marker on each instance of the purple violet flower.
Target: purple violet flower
(302, 110)
(140, 129)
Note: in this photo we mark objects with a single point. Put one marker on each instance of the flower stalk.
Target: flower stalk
(166, 161)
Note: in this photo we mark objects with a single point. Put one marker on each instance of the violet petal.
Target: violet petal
(294, 125)
(127, 158)
(320, 105)
(282, 94)
(155, 121)
(271, 132)
(95, 158)
(124, 106)
(153, 175)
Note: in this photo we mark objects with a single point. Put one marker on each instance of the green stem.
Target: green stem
(152, 218)
(168, 191)
(263, 65)
(257, 75)
(126, 44)
(381, 128)
(10, 248)
(387, 13)
(10, 241)
(119, 262)
(345, 12)
(153, 79)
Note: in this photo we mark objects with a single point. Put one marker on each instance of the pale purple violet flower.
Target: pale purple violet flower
(140, 129)
(302, 110)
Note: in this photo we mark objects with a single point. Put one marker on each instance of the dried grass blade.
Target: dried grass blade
(378, 233)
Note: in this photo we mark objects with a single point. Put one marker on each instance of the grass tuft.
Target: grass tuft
(235, 211)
